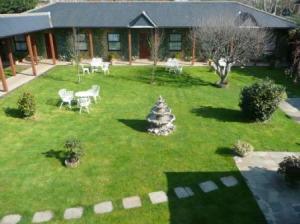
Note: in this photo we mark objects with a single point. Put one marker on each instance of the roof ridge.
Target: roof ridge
(25, 14)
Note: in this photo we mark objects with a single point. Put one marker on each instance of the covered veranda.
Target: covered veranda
(23, 24)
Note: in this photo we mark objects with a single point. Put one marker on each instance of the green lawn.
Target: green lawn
(123, 160)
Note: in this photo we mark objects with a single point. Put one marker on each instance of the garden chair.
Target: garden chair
(105, 68)
(85, 70)
(96, 63)
(94, 92)
(66, 97)
(84, 103)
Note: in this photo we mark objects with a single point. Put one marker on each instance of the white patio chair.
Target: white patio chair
(84, 103)
(66, 97)
(105, 68)
(169, 63)
(96, 63)
(94, 92)
(85, 70)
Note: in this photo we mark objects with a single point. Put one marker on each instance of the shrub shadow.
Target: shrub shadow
(221, 114)
(225, 151)
(135, 124)
(60, 155)
(13, 112)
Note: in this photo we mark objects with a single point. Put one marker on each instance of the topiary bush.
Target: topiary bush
(242, 148)
(27, 105)
(290, 168)
(74, 152)
(260, 100)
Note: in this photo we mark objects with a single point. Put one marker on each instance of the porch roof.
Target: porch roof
(14, 24)
(163, 14)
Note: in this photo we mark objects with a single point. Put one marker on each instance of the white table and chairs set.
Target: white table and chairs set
(173, 66)
(83, 98)
(95, 65)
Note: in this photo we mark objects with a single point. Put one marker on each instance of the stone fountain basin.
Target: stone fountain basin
(166, 120)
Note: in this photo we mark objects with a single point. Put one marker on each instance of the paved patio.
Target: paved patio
(279, 203)
(26, 76)
(291, 107)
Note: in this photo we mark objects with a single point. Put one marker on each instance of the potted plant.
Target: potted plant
(290, 168)
(74, 152)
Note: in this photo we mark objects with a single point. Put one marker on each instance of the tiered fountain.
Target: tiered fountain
(160, 119)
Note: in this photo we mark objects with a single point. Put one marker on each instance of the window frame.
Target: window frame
(108, 42)
(170, 41)
(20, 41)
(85, 41)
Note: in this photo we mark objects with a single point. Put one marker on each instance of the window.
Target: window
(81, 42)
(20, 43)
(175, 42)
(114, 43)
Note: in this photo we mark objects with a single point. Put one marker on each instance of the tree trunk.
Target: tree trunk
(223, 73)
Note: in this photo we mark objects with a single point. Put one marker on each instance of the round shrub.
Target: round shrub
(260, 100)
(290, 168)
(242, 148)
(26, 105)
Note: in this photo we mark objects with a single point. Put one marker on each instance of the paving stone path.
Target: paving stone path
(104, 207)
(278, 202)
(43, 216)
(73, 213)
(291, 107)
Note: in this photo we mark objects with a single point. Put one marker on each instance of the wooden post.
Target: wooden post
(129, 47)
(29, 46)
(52, 48)
(34, 49)
(2, 76)
(91, 44)
(193, 48)
(11, 57)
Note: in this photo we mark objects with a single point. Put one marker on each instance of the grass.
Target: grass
(123, 160)
(19, 68)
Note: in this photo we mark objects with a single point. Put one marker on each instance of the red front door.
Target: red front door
(144, 45)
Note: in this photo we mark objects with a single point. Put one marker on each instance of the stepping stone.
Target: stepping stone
(73, 213)
(132, 202)
(208, 186)
(11, 219)
(43, 216)
(229, 181)
(158, 197)
(183, 192)
(103, 207)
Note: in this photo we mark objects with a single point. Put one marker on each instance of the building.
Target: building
(120, 29)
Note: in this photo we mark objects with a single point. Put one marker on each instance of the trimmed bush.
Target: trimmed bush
(27, 105)
(260, 100)
(290, 168)
(242, 148)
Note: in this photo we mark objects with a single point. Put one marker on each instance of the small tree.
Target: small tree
(294, 42)
(227, 42)
(74, 152)
(27, 105)
(260, 100)
(76, 53)
(155, 42)
(16, 6)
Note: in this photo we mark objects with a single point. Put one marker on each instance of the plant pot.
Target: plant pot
(71, 164)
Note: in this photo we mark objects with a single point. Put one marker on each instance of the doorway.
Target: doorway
(144, 46)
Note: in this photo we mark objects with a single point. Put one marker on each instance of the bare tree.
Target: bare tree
(76, 53)
(155, 43)
(227, 43)
(272, 6)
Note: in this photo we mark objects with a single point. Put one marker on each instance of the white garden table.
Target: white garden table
(82, 94)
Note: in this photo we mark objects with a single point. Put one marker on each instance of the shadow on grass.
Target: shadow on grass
(164, 78)
(223, 205)
(60, 155)
(13, 112)
(53, 102)
(135, 124)
(225, 151)
(221, 114)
